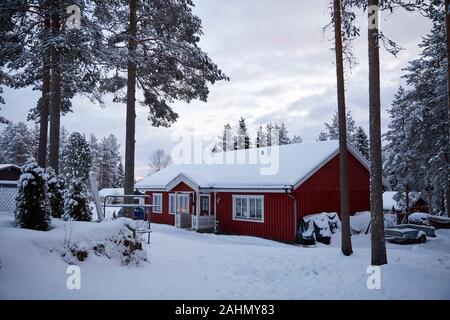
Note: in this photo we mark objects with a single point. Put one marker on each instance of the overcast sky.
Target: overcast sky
(280, 67)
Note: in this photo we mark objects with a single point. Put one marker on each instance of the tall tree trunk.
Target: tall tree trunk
(379, 256)
(131, 112)
(346, 241)
(447, 28)
(55, 106)
(45, 101)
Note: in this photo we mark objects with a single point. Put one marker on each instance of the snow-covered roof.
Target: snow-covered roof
(278, 167)
(389, 201)
(8, 165)
(110, 192)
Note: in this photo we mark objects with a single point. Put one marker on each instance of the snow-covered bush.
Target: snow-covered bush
(32, 205)
(111, 239)
(55, 191)
(76, 204)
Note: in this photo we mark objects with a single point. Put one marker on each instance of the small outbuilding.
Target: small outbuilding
(9, 175)
(417, 203)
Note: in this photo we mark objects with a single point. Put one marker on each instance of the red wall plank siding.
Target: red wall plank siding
(182, 187)
(321, 192)
(278, 217)
(165, 217)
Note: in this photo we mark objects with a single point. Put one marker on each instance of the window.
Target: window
(157, 200)
(249, 208)
(183, 203)
(204, 204)
(172, 203)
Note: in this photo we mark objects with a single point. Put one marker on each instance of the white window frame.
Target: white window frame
(209, 203)
(153, 202)
(185, 195)
(172, 195)
(248, 197)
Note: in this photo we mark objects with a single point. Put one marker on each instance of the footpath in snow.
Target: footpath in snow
(189, 265)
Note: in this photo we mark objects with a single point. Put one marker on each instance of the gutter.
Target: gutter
(289, 194)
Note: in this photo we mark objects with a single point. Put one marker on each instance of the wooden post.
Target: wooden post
(176, 208)
(215, 213)
(197, 208)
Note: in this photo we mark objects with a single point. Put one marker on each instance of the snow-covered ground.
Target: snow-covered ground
(189, 265)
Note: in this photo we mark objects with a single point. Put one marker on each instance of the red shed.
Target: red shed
(260, 192)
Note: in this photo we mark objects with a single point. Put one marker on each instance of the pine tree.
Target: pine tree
(297, 139)
(118, 176)
(322, 136)
(269, 134)
(261, 138)
(162, 57)
(242, 137)
(77, 158)
(417, 138)
(346, 243)
(227, 138)
(32, 208)
(283, 134)
(55, 192)
(333, 127)
(63, 140)
(17, 144)
(40, 50)
(361, 142)
(108, 160)
(76, 205)
(94, 146)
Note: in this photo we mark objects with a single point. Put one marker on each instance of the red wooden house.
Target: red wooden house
(260, 192)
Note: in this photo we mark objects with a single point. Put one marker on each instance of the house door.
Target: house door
(183, 203)
(204, 205)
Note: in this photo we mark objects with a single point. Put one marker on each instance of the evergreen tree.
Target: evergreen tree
(32, 208)
(40, 50)
(162, 55)
(297, 139)
(77, 158)
(269, 134)
(333, 127)
(242, 137)
(63, 140)
(361, 142)
(17, 144)
(76, 204)
(283, 134)
(94, 146)
(322, 136)
(418, 140)
(261, 138)
(55, 192)
(118, 176)
(227, 138)
(109, 159)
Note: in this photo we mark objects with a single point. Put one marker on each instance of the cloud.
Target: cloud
(281, 69)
